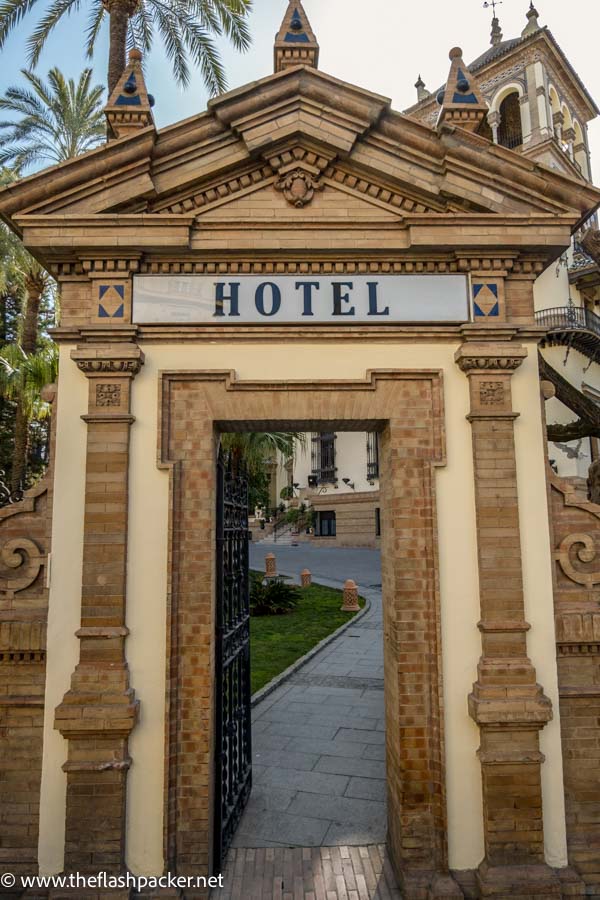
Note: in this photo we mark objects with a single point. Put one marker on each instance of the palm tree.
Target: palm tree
(22, 378)
(187, 29)
(20, 368)
(56, 121)
(255, 450)
(259, 447)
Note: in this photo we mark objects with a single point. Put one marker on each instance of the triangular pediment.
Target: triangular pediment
(297, 146)
(270, 203)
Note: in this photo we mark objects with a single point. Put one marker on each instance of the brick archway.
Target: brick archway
(407, 408)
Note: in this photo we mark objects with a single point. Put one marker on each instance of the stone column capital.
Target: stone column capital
(122, 361)
(481, 359)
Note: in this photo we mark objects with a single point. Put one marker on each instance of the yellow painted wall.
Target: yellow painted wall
(64, 610)
(147, 580)
(530, 443)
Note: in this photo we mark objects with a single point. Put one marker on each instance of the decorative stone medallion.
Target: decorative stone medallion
(299, 187)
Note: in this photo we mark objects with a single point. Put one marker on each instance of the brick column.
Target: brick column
(507, 703)
(98, 713)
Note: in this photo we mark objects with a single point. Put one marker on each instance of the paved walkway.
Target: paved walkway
(325, 873)
(315, 825)
(318, 740)
(337, 563)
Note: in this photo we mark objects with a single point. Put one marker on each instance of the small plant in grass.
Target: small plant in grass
(271, 597)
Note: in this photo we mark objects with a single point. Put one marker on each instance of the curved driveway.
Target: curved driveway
(329, 563)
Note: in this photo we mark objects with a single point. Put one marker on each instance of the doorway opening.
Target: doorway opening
(405, 408)
(312, 773)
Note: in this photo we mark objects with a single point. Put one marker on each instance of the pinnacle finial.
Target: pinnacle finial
(422, 91)
(129, 107)
(461, 101)
(532, 21)
(295, 43)
(496, 31)
(496, 36)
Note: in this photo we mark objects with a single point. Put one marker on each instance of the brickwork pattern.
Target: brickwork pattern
(99, 711)
(355, 518)
(192, 406)
(24, 545)
(576, 540)
(507, 703)
(319, 873)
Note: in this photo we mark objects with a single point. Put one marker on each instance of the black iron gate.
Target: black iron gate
(233, 775)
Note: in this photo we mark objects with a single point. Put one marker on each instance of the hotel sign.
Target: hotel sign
(299, 299)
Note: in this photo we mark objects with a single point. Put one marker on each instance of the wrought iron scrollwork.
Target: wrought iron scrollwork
(9, 495)
(234, 749)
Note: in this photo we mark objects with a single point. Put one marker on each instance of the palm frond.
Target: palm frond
(12, 12)
(141, 30)
(233, 15)
(170, 28)
(46, 26)
(259, 448)
(95, 21)
(23, 376)
(204, 53)
(57, 118)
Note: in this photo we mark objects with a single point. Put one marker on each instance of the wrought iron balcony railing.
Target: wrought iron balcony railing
(575, 326)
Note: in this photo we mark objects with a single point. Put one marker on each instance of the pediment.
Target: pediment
(298, 182)
(300, 146)
(553, 157)
(270, 204)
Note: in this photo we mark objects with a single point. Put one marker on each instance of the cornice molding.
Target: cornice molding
(481, 358)
(119, 360)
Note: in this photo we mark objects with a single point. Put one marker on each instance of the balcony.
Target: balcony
(572, 326)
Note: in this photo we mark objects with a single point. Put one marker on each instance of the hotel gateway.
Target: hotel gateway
(301, 256)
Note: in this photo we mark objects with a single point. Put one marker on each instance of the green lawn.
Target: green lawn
(278, 641)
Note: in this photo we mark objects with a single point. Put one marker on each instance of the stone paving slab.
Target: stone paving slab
(362, 735)
(289, 828)
(367, 768)
(339, 810)
(373, 751)
(310, 782)
(367, 789)
(321, 873)
(317, 747)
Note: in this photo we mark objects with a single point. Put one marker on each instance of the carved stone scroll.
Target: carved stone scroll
(586, 553)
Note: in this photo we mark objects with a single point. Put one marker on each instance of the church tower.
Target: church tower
(538, 105)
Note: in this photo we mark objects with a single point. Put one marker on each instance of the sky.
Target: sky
(381, 45)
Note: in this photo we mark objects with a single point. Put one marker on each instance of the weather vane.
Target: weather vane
(493, 4)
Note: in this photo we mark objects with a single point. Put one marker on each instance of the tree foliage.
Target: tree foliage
(51, 121)
(28, 359)
(257, 450)
(187, 29)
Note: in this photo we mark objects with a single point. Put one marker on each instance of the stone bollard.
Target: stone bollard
(305, 578)
(350, 603)
(270, 565)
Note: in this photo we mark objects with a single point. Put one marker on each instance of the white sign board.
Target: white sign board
(299, 299)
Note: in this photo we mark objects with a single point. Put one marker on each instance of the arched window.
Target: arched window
(510, 132)
(580, 151)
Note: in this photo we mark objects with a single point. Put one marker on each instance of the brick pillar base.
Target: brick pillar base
(507, 704)
(98, 713)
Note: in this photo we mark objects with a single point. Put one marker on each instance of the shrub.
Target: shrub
(292, 516)
(271, 598)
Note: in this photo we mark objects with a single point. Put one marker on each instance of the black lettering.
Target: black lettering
(275, 298)
(308, 289)
(221, 297)
(339, 298)
(373, 311)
